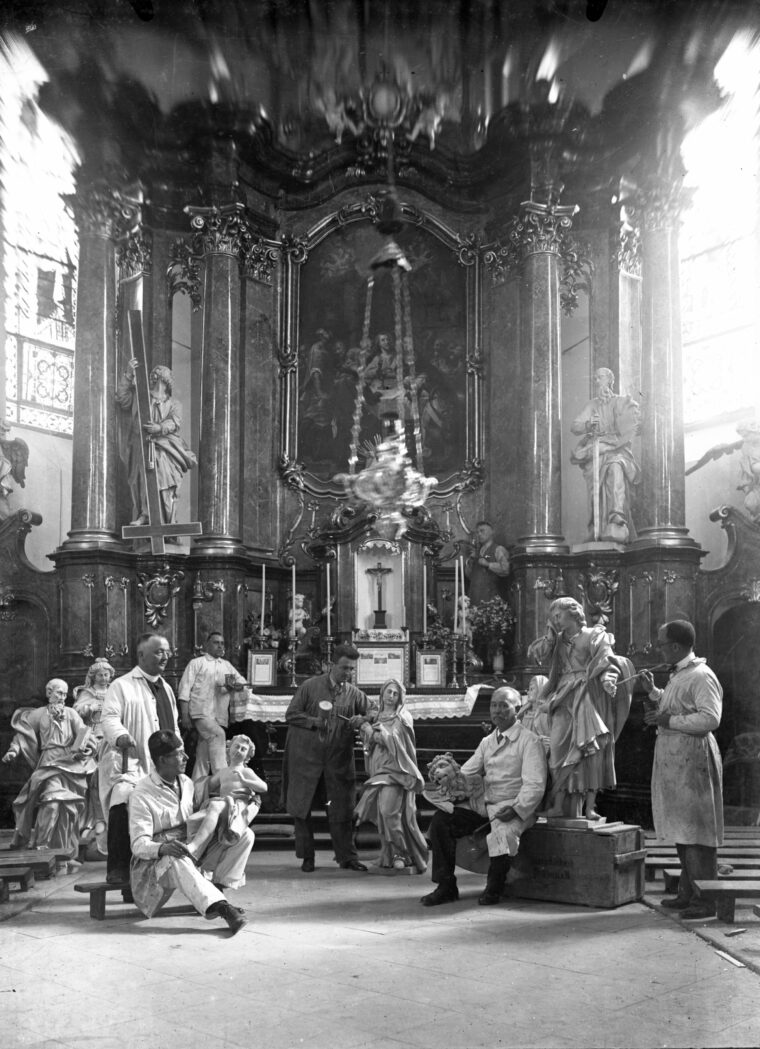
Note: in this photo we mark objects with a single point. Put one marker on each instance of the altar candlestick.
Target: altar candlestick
(424, 596)
(329, 601)
(263, 596)
(293, 600)
(464, 603)
(456, 595)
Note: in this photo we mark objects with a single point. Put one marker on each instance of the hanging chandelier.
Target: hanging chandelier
(390, 485)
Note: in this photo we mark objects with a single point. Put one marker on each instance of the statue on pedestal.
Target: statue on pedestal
(173, 458)
(55, 742)
(587, 699)
(14, 456)
(608, 424)
(88, 703)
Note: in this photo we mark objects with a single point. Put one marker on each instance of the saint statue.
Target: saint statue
(172, 456)
(608, 424)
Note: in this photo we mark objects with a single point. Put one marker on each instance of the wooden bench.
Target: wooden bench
(23, 875)
(673, 876)
(41, 863)
(98, 890)
(725, 893)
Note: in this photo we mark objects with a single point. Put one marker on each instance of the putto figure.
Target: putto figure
(172, 456)
(608, 423)
(54, 741)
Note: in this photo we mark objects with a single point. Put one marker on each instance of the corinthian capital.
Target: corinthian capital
(135, 254)
(220, 230)
(659, 204)
(541, 228)
(103, 209)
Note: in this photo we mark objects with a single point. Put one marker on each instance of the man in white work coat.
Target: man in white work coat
(687, 796)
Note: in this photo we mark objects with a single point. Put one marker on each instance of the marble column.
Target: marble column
(662, 491)
(103, 213)
(538, 235)
(219, 238)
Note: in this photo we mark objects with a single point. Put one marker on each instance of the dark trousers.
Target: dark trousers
(443, 833)
(119, 849)
(698, 863)
(341, 833)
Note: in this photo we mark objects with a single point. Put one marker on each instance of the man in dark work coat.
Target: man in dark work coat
(320, 746)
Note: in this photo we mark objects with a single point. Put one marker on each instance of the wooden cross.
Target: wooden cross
(157, 532)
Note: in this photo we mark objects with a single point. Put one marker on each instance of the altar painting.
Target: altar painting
(333, 298)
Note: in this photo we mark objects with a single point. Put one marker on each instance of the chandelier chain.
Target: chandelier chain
(359, 402)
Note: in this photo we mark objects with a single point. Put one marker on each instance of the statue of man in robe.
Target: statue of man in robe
(172, 456)
(608, 424)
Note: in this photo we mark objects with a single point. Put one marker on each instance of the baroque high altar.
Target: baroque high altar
(269, 227)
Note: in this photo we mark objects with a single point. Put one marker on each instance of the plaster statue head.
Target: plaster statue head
(535, 688)
(99, 675)
(392, 694)
(566, 612)
(161, 374)
(505, 702)
(240, 750)
(56, 691)
(604, 380)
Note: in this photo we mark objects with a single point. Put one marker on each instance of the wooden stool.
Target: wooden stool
(724, 893)
(98, 890)
(23, 875)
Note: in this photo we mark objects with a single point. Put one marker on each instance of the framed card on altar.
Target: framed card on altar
(378, 662)
(431, 669)
(262, 669)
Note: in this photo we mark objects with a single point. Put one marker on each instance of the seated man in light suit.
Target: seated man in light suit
(159, 808)
(510, 767)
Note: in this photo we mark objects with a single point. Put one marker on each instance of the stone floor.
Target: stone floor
(338, 960)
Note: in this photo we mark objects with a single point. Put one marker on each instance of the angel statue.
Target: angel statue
(14, 456)
(748, 446)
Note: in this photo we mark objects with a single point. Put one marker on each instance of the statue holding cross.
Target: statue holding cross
(155, 454)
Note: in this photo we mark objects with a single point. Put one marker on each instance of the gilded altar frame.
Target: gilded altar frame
(296, 251)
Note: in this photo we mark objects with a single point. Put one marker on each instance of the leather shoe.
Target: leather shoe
(675, 903)
(232, 915)
(353, 865)
(696, 912)
(441, 894)
(117, 876)
(308, 865)
(488, 899)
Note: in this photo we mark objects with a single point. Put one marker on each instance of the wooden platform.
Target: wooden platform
(42, 862)
(97, 892)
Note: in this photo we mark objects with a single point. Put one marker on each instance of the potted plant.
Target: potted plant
(492, 622)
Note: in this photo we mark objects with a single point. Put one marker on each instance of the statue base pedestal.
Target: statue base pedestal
(597, 546)
(601, 867)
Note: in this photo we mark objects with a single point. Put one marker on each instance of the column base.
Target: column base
(663, 535)
(541, 544)
(93, 539)
(216, 545)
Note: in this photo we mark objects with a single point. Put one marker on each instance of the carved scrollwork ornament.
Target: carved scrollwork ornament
(628, 257)
(468, 249)
(661, 204)
(105, 210)
(183, 274)
(501, 261)
(135, 254)
(577, 273)
(598, 587)
(260, 256)
(541, 228)
(219, 230)
(159, 590)
(294, 248)
(368, 208)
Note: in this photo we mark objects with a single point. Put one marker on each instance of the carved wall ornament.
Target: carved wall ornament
(661, 203)
(751, 591)
(205, 590)
(183, 274)
(135, 254)
(219, 230)
(159, 590)
(7, 597)
(112, 583)
(598, 587)
(577, 273)
(642, 579)
(628, 257)
(552, 588)
(260, 256)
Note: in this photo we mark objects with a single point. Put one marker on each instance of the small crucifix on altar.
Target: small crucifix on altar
(378, 572)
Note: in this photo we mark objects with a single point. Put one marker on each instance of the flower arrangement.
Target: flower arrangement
(438, 635)
(491, 622)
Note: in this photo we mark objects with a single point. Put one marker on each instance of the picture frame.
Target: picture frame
(377, 662)
(430, 670)
(262, 668)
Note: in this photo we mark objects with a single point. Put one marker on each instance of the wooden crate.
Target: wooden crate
(596, 868)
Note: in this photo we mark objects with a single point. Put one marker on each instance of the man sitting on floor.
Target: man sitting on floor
(511, 765)
(159, 808)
